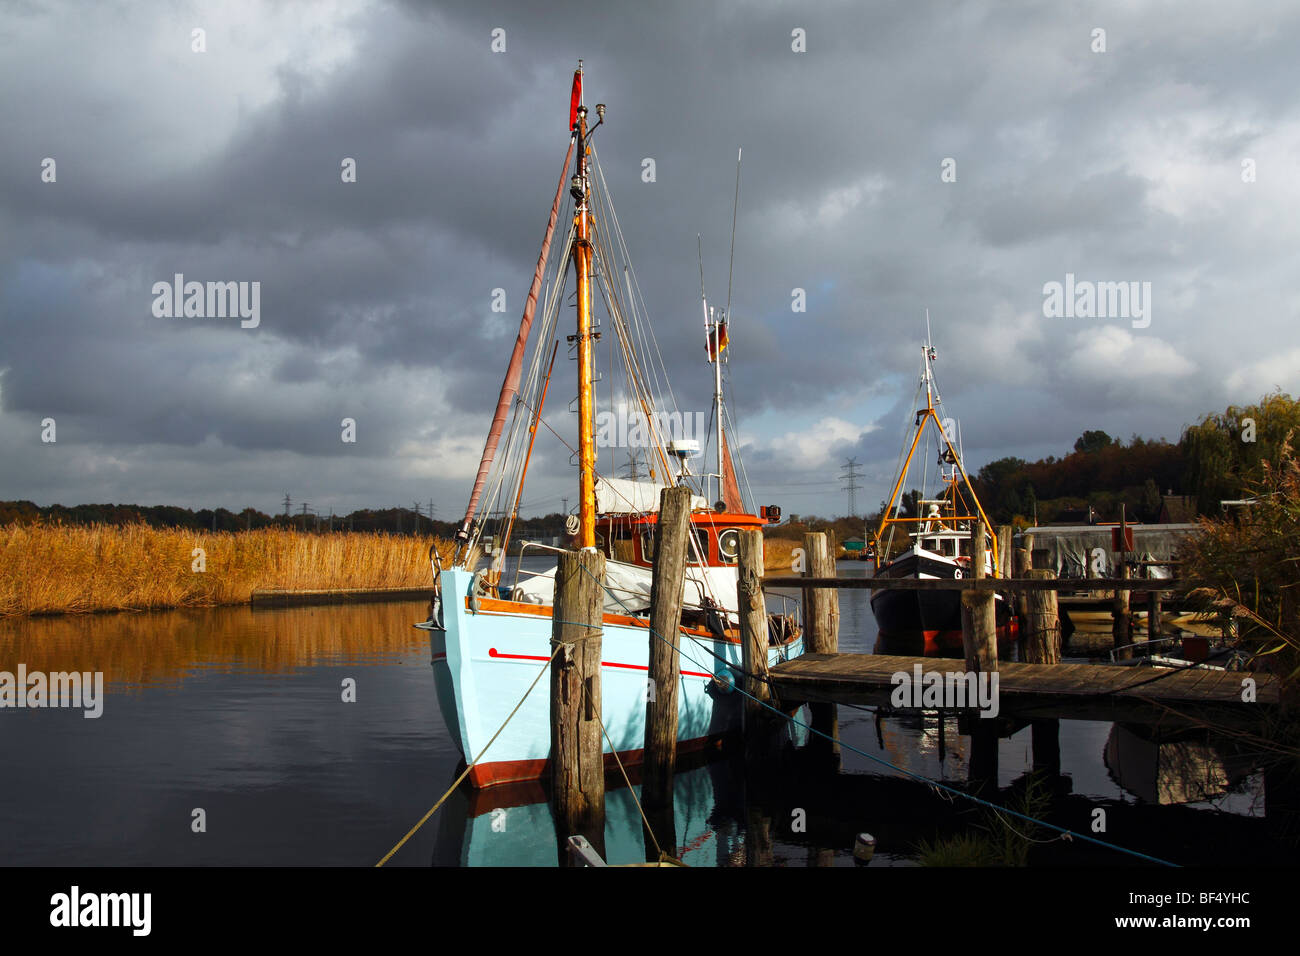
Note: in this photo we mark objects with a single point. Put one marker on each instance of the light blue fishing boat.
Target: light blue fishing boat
(491, 638)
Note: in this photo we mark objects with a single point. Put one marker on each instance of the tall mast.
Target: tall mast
(717, 400)
(582, 256)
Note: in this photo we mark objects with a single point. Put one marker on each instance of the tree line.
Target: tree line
(387, 520)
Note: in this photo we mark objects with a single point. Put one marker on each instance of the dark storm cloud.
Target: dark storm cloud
(376, 295)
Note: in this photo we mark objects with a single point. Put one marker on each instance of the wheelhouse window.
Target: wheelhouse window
(694, 556)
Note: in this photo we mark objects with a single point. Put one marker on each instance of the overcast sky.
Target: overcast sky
(1171, 158)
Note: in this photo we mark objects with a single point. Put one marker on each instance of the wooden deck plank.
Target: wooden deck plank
(1077, 691)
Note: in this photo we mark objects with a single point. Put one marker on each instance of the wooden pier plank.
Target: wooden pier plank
(1078, 691)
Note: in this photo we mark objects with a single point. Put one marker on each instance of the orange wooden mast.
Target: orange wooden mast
(582, 256)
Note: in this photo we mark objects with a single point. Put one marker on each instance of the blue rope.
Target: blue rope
(880, 760)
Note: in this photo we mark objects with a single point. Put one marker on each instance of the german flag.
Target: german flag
(721, 341)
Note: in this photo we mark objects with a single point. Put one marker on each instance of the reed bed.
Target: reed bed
(50, 568)
(778, 553)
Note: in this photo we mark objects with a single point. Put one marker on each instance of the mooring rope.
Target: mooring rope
(443, 799)
(614, 750)
(1070, 834)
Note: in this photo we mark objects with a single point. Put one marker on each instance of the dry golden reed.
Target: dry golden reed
(778, 553)
(53, 568)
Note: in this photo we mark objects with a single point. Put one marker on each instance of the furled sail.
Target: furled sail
(730, 487)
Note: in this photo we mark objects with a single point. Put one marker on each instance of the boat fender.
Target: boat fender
(474, 584)
(724, 682)
(713, 621)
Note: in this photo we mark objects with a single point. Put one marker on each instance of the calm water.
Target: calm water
(241, 714)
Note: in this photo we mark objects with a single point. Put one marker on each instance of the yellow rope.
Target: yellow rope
(434, 809)
(614, 750)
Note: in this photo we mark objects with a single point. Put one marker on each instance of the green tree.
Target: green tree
(1093, 441)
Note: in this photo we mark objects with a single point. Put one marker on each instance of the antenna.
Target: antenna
(735, 208)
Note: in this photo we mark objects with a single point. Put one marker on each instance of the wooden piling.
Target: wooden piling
(1042, 623)
(577, 761)
(1020, 569)
(667, 582)
(1121, 629)
(1041, 628)
(1153, 616)
(979, 634)
(821, 606)
(753, 632)
(1005, 533)
(821, 616)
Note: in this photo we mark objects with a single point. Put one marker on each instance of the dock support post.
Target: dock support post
(1042, 623)
(1021, 569)
(821, 606)
(662, 681)
(1005, 534)
(821, 614)
(1121, 622)
(979, 632)
(577, 744)
(753, 636)
(1042, 645)
(1153, 616)
(979, 636)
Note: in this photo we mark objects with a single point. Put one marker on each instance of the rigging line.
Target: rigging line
(443, 799)
(735, 208)
(612, 488)
(647, 401)
(506, 462)
(903, 770)
(614, 750)
(622, 243)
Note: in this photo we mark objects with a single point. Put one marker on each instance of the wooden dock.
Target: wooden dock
(1074, 691)
(302, 598)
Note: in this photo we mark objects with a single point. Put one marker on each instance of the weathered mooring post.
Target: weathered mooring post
(979, 638)
(753, 637)
(979, 632)
(1121, 629)
(662, 682)
(1153, 615)
(1121, 622)
(821, 606)
(1020, 569)
(577, 748)
(821, 614)
(1005, 533)
(1042, 645)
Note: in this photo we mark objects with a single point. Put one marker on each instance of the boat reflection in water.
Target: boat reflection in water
(511, 825)
(1173, 767)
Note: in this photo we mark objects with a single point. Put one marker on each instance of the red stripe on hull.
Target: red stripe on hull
(937, 642)
(493, 652)
(516, 771)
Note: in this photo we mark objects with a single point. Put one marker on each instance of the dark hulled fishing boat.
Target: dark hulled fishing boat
(935, 542)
